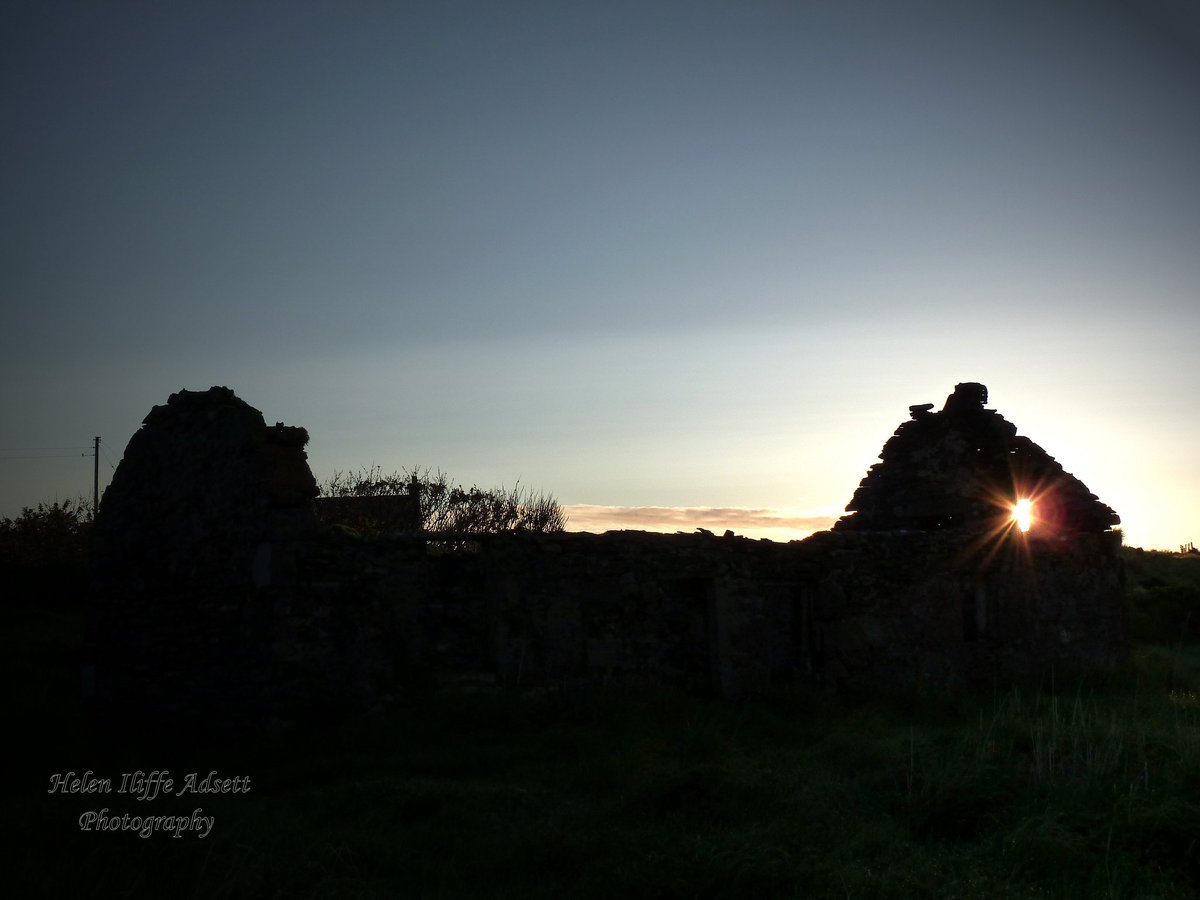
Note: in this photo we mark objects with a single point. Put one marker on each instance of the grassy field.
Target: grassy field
(1082, 788)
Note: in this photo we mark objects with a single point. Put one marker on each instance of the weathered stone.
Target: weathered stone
(220, 598)
(968, 396)
(964, 468)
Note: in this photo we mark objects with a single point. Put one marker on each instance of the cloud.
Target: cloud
(750, 522)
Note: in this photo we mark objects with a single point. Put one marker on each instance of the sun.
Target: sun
(1022, 514)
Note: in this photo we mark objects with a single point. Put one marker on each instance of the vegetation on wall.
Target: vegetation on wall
(445, 506)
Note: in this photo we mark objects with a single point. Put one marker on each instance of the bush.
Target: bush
(44, 551)
(444, 506)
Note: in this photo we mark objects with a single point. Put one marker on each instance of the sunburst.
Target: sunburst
(1015, 521)
(1022, 514)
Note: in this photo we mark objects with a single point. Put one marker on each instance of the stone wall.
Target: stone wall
(940, 608)
(221, 599)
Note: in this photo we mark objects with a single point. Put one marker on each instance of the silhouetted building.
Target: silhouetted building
(221, 598)
(966, 466)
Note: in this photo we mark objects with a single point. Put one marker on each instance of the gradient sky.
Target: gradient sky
(681, 264)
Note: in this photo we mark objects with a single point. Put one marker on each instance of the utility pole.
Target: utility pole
(96, 476)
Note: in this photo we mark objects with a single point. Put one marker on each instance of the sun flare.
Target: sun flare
(1022, 514)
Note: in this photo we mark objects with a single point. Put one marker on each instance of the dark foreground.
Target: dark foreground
(1083, 787)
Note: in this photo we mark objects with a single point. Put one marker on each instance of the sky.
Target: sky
(679, 264)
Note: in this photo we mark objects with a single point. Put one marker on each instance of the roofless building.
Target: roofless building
(222, 599)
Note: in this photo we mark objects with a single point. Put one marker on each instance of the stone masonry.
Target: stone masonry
(221, 599)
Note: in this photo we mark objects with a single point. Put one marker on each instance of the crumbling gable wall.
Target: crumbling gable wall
(206, 499)
(973, 598)
(965, 466)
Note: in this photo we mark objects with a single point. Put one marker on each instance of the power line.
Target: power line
(108, 459)
(76, 451)
(96, 476)
(57, 456)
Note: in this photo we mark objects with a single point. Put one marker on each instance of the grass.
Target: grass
(1084, 788)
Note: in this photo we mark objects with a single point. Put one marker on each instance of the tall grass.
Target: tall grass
(1065, 790)
(1080, 787)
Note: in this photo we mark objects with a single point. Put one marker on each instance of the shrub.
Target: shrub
(44, 551)
(444, 506)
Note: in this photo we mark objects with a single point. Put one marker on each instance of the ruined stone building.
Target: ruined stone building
(219, 594)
